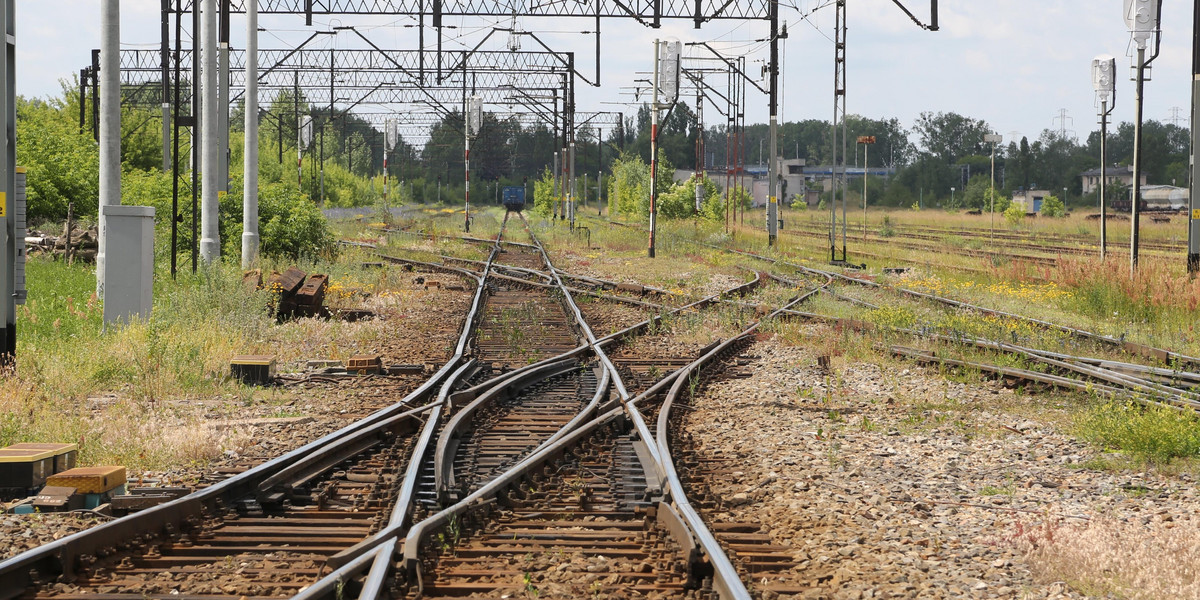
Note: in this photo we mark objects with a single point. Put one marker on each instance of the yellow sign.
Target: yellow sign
(3, 204)
(1196, 213)
(774, 199)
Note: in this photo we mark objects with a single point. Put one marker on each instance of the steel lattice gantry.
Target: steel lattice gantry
(535, 85)
(365, 76)
(648, 12)
(403, 67)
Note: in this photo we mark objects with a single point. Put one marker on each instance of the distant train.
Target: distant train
(513, 198)
(1156, 198)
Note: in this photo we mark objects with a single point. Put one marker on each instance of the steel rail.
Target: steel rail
(60, 557)
(404, 502)
(378, 561)
(1131, 386)
(1143, 350)
(610, 409)
(447, 444)
(726, 581)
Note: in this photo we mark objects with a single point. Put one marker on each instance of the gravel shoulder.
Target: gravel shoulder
(890, 481)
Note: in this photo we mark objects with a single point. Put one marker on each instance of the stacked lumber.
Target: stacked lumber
(83, 244)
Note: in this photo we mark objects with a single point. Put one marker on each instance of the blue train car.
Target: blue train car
(513, 198)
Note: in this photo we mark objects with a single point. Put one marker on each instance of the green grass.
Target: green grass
(139, 394)
(1151, 435)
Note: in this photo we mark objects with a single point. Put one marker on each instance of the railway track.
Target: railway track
(592, 491)
(1170, 380)
(1089, 241)
(767, 566)
(264, 532)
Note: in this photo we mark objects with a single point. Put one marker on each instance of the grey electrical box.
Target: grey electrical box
(128, 263)
(19, 210)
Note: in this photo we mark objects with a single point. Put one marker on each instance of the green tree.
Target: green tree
(951, 136)
(62, 163)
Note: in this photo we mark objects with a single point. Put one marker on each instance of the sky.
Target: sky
(1013, 63)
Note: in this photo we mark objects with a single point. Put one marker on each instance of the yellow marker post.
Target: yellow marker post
(3, 204)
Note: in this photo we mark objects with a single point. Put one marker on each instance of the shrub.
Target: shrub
(887, 230)
(1014, 214)
(629, 187)
(1052, 206)
(543, 194)
(290, 224)
(1154, 434)
(63, 164)
(680, 201)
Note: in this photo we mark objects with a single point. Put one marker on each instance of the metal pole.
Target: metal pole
(166, 86)
(654, 154)
(1104, 182)
(110, 124)
(222, 108)
(992, 194)
(571, 191)
(210, 244)
(250, 154)
(866, 149)
(845, 184)
(1137, 162)
(554, 189)
(197, 136)
(10, 250)
(329, 122)
(467, 170)
(96, 95)
(1193, 258)
(299, 131)
(175, 148)
(83, 79)
(839, 91)
(773, 109)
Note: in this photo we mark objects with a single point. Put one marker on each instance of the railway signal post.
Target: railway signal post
(10, 248)
(1142, 18)
(1103, 69)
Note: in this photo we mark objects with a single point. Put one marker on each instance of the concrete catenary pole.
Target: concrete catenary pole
(250, 175)
(110, 123)
(210, 164)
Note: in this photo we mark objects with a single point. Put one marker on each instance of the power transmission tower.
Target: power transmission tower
(1177, 116)
(1062, 120)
